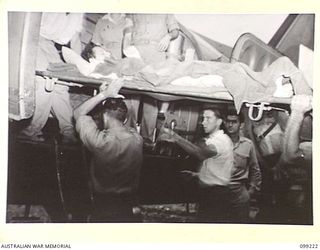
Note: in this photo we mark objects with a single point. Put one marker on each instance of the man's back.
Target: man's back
(116, 156)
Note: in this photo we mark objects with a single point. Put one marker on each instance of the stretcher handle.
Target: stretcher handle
(50, 82)
(261, 107)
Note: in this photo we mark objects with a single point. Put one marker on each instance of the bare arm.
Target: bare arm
(173, 26)
(173, 33)
(126, 40)
(127, 33)
(165, 41)
(299, 105)
(75, 43)
(201, 151)
(111, 91)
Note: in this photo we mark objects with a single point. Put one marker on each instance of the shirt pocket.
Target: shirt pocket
(241, 159)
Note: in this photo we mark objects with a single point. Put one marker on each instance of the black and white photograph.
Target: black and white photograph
(160, 118)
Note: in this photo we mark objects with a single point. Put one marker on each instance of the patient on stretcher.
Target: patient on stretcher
(280, 79)
(101, 64)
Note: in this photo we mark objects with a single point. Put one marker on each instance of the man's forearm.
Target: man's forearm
(199, 152)
(88, 105)
(291, 139)
(126, 41)
(76, 43)
(255, 178)
(111, 90)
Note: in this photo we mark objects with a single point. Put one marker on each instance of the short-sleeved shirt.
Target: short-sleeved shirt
(147, 31)
(151, 28)
(116, 156)
(60, 27)
(246, 168)
(217, 170)
(109, 35)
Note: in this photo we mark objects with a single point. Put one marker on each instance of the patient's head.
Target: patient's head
(100, 54)
(93, 51)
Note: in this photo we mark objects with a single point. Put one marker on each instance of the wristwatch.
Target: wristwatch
(302, 155)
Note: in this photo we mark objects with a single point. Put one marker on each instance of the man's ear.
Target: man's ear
(220, 121)
(241, 125)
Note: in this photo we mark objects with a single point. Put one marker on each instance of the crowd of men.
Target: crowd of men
(228, 173)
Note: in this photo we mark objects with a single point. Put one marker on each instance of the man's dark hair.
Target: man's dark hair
(87, 53)
(115, 107)
(234, 112)
(217, 112)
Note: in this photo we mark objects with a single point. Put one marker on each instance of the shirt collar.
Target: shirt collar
(218, 132)
(119, 128)
(241, 140)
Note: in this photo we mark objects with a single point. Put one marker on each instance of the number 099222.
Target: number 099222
(309, 246)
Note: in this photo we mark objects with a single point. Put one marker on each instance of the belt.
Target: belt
(238, 183)
(206, 187)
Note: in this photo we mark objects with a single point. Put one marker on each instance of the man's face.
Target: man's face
(232, 124)
(210, 122)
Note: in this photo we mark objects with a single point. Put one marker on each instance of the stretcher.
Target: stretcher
(248, 49)
(135, 86)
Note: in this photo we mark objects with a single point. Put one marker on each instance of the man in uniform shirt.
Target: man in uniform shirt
(109, 32)
(116, 156)
(151, 34)
(216, 156)
(246, 176)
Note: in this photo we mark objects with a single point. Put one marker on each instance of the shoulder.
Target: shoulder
(84, 120)
(135, 135)
(223, 137)
(75, 17)
(220, 140)
(246, 147)
(104, 138)
(246, 143)
(126, 133)
(245, 140)
(101, 21)
(128, 22)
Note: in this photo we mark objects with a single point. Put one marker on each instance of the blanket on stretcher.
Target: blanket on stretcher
(244, 84)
